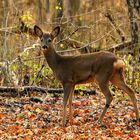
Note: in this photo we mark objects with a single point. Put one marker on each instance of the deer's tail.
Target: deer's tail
(119, 64)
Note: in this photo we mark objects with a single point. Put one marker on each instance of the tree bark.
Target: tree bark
(132, 5)
(47, 6)
(40, 16)
(71, 8)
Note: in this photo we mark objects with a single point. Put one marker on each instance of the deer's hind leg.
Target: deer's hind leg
(118, 80)
(103, 81)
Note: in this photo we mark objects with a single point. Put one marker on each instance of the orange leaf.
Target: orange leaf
(77, 103)
(40, 131)
(131, 135)
(117, 132)
(19, 119)
(74, 122)
(2, 116)
(85, 103)
(1, 132)
(16, 129)
(29, 107)
(27, 138)
(33, 117)
(78, 112)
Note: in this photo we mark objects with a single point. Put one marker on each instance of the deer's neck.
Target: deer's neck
(52, 58)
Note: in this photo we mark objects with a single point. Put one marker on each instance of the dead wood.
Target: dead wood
(27, 89)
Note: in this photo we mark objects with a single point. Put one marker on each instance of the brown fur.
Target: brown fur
(104, 67)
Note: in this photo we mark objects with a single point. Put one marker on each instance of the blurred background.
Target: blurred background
(86, 26)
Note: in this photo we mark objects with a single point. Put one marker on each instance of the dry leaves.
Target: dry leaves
(22, 119)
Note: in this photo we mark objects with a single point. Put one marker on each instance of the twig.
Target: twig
(22, 53)
(113, 23)
(68, 37)
(120, 46)
(38, 73)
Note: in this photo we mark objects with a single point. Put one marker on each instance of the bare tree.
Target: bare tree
(133, 5)
(40, 16)
(47, 6)
(71, 8)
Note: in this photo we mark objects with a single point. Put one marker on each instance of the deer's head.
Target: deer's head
(46, 38)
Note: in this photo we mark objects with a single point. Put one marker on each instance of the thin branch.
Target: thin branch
(38, 73)
(118, 47)
(22, 53)
(113, 23)
(68, 37)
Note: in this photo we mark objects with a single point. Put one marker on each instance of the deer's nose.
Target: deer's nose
(44, 46)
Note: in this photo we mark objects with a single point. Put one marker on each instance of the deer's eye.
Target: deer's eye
(49, 40)
(41, 39)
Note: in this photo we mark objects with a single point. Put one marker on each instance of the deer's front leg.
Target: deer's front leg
(70, 102)
(68, 89)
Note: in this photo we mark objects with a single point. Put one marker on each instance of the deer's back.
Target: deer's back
(83, 68)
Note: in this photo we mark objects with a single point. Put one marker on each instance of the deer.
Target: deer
(102, 67)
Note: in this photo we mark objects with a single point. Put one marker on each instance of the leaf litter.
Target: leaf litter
(24, 119)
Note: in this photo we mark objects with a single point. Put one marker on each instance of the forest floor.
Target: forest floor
(24, 119)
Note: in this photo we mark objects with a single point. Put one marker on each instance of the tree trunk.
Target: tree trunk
(132, 5)
(47, 6)
(71, 8)
(40, 17)
(59, 10)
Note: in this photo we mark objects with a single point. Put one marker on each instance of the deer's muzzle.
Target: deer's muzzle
(44, 47)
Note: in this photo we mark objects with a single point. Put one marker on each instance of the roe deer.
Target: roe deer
(104, 67)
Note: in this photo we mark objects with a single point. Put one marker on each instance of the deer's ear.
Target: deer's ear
(38, 31)
(55, 32)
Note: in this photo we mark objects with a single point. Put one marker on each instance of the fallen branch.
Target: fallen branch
(26, 89)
